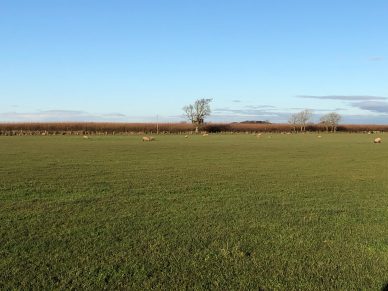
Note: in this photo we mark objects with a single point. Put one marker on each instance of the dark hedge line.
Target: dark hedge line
(80, 128)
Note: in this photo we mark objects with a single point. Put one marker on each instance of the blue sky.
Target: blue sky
(133, 60)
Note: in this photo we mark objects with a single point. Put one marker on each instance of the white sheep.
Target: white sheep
(377, 140)
(148, 138)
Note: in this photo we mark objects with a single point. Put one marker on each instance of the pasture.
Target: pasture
(215, 212)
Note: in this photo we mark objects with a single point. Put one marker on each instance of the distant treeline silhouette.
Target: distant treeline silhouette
(107, 128)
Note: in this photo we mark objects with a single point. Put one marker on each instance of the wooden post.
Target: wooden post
(157, 124)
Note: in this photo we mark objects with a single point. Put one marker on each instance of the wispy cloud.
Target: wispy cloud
(373, 106)
(250, 113)
(376, 112)
(245, 112)
(376, 59)
(259, 106)
(236, 101)
(344, 97)
(316, 109)
(60, 115)
(81, 116)
(365, 119)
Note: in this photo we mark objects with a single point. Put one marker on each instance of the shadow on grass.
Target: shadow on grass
(385, 287)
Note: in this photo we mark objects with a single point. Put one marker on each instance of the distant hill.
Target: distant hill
(256, 122)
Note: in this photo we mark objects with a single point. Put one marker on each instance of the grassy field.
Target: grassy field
(215, 212)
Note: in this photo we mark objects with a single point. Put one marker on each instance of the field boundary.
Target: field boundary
(99, 128)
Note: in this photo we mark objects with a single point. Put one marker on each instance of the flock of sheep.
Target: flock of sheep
(151, 138)
(148, 138)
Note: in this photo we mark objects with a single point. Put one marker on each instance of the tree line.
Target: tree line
(200, 109)
(299, 120)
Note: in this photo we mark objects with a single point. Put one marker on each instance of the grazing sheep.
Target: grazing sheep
(148, 138)
(186, 136)
(319, 136)
(377, 140)
(205, 134)
(86, 137)
(258, 135)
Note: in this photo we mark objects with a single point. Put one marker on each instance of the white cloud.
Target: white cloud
(80, 116)
(59, 115)
(344, 97)
(373, 106)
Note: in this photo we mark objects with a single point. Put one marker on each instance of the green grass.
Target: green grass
(217, 212)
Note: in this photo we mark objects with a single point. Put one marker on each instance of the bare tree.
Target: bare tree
(300, 119)
(325, 122)
(293, 120)
(198, 111)
(304, 117)
(331, 120)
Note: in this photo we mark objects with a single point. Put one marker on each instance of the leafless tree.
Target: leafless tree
(198, 111)
(325, 123)
(331, 121)
(293, 120)
(301, 119)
